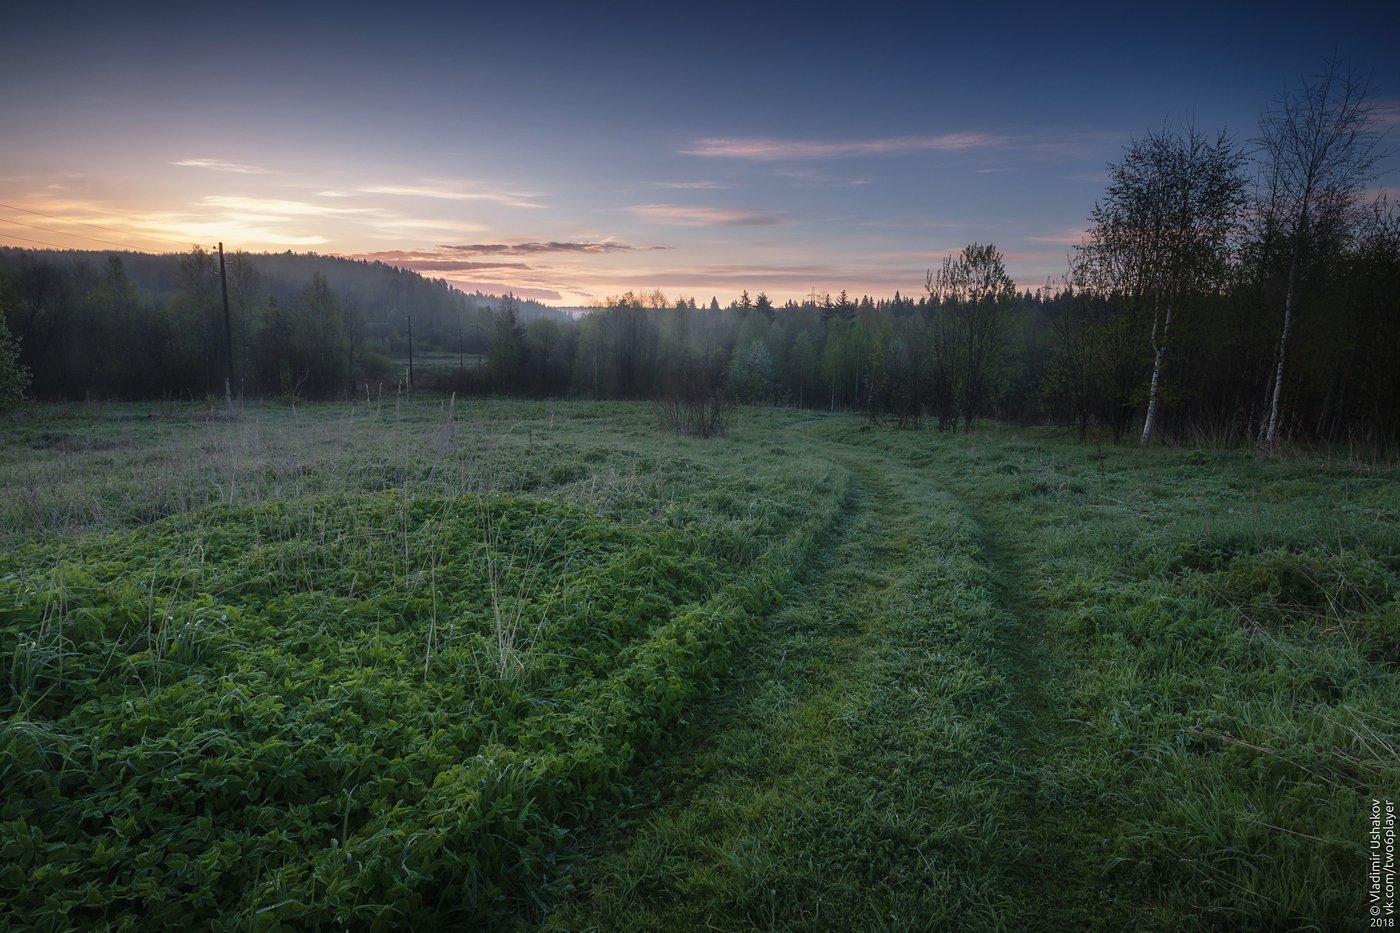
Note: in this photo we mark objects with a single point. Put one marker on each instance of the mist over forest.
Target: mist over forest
(1224, 291)
(114, 325)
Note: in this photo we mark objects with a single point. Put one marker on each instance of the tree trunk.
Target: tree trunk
(1159, 351)
(1271, 432)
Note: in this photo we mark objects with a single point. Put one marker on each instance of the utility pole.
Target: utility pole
(461, 354)
(228, 332)
(410, 351)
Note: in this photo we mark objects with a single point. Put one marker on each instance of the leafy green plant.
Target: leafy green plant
(14, 376)
(357, 709)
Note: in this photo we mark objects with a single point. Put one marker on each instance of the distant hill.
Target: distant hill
(116, 324)
(385, 294)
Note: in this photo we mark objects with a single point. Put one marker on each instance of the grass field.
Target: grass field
(544, 664)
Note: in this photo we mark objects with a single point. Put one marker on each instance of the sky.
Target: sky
(569, 152)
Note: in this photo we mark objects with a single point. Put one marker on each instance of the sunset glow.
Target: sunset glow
(770, 152)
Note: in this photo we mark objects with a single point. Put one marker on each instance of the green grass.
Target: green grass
(386, 708)
(425, 663)
(433, 363)
(1219, 637)
(869, 776)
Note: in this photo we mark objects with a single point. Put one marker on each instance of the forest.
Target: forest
(1223, 292)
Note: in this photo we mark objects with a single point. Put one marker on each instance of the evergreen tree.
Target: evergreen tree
(506, 356)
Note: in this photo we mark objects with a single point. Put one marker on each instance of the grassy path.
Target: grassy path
(1013, 682)
(1198, 739)
(1051, 879)
(876, 775)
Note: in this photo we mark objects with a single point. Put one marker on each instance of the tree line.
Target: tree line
(135, 325)
(1239, 292)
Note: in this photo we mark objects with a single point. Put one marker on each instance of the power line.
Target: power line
(61, 233)
(94, 226)
(16, 236)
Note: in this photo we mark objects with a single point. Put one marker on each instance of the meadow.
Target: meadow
(426, 663)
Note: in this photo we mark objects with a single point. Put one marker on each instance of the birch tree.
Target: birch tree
(1164, 231)
(1320, 146)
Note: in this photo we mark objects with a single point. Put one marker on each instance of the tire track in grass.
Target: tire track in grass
(1034, 722)
(866, 778)
(1047, 876)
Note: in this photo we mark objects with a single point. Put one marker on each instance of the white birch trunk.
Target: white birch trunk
(1159, 351)
(1271, 433)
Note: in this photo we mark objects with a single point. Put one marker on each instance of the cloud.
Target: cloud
(501, 288)
(146, 230)
(454, 192)
(691, 185)
(549, 276)
(427, 261)
(1069, 237)
(31, 178)
(1025, 257)
(448, 265)
(553, 246)
(395, 225)
(215, 165)
(780, 280)
(675, 215)
(768, 149)
(243, 230)
(1037, 146)
(812, 178)
(279, 207)
(1387, 113)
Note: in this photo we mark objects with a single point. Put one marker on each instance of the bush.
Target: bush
(374, 369)
(697, 416)
(14, 377)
